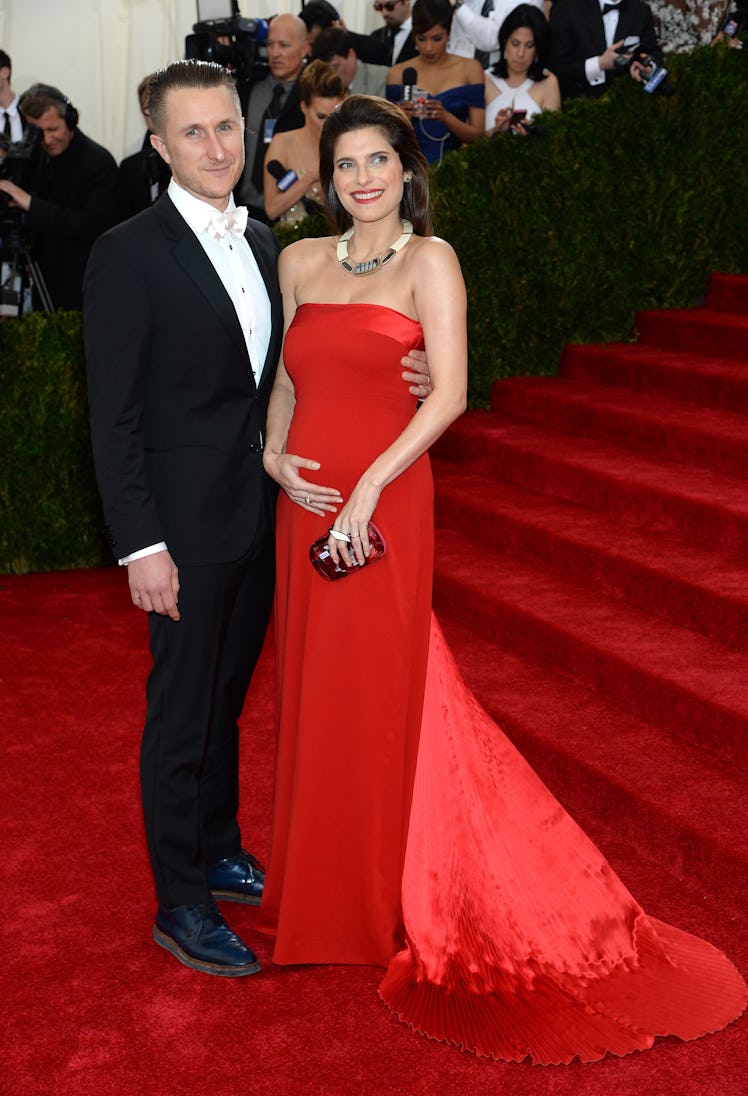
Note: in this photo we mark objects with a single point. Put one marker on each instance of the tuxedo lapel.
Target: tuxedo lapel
(188, 253)
(594, 20)
(627, 22)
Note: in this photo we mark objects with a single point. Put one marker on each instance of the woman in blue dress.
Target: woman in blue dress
(446, 100)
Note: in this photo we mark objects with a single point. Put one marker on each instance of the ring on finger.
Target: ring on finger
(336, 534)
(308, 500)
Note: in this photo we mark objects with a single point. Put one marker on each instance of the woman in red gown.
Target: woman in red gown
(408, 832)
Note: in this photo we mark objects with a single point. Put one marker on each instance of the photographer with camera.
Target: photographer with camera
(587, 40)
(11, 121)
(72, 198)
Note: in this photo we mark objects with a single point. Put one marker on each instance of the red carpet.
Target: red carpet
(592, 580)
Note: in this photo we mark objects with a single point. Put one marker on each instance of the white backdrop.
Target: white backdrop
(97, 51)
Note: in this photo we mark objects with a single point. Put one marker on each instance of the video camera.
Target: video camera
(17, 163)
(221, 34)
(16, 157)
(655, 79)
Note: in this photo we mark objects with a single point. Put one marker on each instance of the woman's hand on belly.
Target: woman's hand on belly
(285, 468)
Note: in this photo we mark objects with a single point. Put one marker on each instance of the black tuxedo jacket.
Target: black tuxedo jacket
(577, 32)
(74, 200)
(176, 417)
(376, 48)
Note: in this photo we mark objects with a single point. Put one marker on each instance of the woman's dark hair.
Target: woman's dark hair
(320, 80)
(431, 13)
(533, 19)
(370, 112)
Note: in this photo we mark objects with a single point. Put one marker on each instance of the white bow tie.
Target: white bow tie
(235, 220)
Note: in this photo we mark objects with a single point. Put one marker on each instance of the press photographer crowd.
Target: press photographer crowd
(462, 70)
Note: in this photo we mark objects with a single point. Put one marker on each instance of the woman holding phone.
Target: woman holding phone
(518, 86)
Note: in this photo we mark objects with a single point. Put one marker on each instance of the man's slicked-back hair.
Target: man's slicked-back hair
(185, 74)
(5, 61)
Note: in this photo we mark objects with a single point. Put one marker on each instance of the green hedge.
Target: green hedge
(50, 515)
(625, 202)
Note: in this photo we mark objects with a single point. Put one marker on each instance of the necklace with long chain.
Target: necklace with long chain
(370, 266)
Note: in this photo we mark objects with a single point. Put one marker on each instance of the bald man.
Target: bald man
(272, 105)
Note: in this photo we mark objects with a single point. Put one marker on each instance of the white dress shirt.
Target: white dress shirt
(399, 40)
(593, 72)
(471, 30)
(236, 266)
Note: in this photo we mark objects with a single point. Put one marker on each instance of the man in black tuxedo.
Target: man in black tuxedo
(585, 37)
(391, 43)
(183, 326)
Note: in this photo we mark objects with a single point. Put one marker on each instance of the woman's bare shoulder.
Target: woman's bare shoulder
(303, 250)
(472, 71)
(433, 249)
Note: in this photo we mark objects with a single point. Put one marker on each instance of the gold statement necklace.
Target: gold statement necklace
(370, 266)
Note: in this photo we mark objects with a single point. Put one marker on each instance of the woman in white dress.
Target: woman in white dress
(519, 80)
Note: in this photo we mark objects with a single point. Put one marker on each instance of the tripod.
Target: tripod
(24, 269)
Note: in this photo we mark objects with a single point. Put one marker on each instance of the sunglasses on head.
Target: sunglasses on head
(386, 5)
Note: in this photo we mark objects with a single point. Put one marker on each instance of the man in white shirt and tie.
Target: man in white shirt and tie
(183, 326)
(11, 122)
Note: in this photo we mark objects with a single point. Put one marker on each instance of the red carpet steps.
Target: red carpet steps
(591, 540)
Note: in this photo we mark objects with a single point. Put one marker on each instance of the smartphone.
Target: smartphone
(517, 117)
(732, 26)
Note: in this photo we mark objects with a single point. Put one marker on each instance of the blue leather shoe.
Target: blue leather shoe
(238, 878)
(200, 938)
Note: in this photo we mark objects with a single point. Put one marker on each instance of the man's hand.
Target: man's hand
(416, 373)
(607, 60)
(18, 197)
(154, 584)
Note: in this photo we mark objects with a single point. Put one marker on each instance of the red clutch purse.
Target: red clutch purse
(323, 563)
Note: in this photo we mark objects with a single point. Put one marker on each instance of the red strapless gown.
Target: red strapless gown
(408, 831)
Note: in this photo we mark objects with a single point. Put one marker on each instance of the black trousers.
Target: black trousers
(189, 761)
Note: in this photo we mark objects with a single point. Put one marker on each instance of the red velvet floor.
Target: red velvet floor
(592, 580)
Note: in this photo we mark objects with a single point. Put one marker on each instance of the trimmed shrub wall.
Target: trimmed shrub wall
(625, 202)
(50, 514)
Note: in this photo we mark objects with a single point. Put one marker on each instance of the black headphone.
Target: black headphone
(71, 114)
